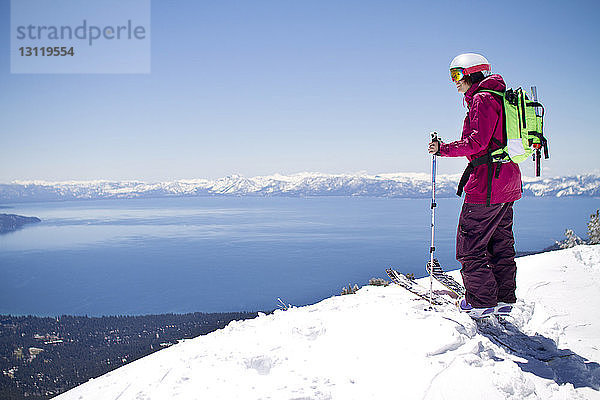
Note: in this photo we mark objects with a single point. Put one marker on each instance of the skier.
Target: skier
(484, 239)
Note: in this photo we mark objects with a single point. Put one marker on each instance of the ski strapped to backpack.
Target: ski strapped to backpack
(522, 136)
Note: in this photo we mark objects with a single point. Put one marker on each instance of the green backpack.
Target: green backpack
(522, 136)
(523, 128)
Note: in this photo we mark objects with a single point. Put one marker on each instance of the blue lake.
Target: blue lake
(213, 254)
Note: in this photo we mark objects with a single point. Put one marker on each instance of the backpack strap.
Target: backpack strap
(491, 91)
(543, 141)
(491, 165)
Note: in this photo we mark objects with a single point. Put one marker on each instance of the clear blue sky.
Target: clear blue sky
(259, 87)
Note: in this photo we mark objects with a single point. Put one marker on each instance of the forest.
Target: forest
(43, 357)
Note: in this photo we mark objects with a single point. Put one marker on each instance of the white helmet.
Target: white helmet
(471, 63)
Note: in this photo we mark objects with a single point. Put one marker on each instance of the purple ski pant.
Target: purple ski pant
(485, 248)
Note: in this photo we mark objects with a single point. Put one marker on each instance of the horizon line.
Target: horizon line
(304, 174)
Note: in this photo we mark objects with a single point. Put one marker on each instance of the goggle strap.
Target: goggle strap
(476, 68)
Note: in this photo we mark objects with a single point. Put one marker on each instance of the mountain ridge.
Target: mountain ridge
(305, 184)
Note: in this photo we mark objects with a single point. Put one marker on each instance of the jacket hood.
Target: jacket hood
(492, 82)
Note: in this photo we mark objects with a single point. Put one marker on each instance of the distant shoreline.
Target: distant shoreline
(12, 222)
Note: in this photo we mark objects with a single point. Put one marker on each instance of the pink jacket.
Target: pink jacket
(484, 121)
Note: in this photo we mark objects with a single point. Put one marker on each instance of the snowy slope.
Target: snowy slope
(407, 185)
(381, 344)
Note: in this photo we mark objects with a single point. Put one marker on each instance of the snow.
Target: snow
(382, 343)
(406, 185)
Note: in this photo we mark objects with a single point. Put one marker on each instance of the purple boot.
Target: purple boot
(475, 312)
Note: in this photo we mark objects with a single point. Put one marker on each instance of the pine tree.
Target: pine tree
(350, 289)
(594, 228)
(572, 240)
(378, 282)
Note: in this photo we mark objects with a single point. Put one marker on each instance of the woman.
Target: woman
(484, 239)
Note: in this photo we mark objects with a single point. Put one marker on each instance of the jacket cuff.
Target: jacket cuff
(443, 150)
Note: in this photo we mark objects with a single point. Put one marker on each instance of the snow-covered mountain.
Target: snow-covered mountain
(408, 185)
(382, 343)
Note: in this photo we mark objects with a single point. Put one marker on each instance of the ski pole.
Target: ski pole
(434, 138)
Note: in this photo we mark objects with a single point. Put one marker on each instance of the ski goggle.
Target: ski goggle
(456, 74)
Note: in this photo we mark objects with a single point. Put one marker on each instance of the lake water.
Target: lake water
(213, 254)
